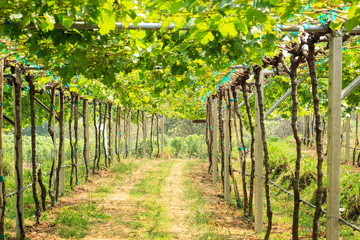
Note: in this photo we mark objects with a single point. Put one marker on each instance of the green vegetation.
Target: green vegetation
(150, 221)
(282, 157)
(200, 218)
(124, 168)
(75, 221)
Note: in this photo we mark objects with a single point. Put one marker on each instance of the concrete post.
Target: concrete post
(129, 134)
(87, 134)
(62, 149)
(226, 153)
(162, 119)
(215, 140)
(347, 129)
(259, 164)
(334, 137)
(1, 129)
(19, 170)
(144, 134)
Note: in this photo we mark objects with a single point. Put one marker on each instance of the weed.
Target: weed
(74, 221)
(104, 189)
(124, 168)
(150, 221)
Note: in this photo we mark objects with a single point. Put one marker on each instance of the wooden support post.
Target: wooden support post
(215, 140)
(162, 119)
(18, 155)
(259, 164)
(227, 152)
(334, 137)
(144, 133)
(128, 133)
(347, 149)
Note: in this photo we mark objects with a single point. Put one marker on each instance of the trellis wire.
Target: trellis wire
(307, 203)
(28, 186)
(326, 143)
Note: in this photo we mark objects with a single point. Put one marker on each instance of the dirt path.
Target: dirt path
(154, 202)
(173, 198)
(119, 206)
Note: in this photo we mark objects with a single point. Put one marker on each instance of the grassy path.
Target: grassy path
(173, 198)
(117, 204)
(146, 199)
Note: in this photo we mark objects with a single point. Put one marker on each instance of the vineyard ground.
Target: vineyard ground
(147, 199)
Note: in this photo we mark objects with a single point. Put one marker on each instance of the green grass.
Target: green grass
(75, 221)
(282, 162)
(200, 219)
(124, 168)
(150, 221)
(104, 189)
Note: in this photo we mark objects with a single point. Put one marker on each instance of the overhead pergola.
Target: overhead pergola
(335, 97)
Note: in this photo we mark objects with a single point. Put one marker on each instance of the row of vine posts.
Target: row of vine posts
(221, 117)
(56, 185)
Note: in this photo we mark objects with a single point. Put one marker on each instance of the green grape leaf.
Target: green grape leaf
(106, 22)
(228, 29)
(67, 21)
(207, 38)
(175, 6)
